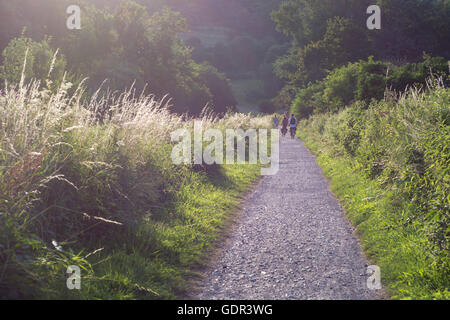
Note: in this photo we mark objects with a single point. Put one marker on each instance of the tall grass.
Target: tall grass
(90, 182)
(389, 164)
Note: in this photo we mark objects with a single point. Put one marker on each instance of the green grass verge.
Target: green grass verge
(399, 251)
(107, 197)
(162, 256)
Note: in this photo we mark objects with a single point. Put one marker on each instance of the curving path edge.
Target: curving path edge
(292, 241)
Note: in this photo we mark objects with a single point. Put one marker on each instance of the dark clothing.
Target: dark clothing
(293, 122)
(293, 131)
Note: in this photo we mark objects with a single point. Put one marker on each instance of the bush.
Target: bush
(416, 74)
(372, 79)
(307, 100)
(364, 81)
(394, 182)
(100, 191)
(40, 59)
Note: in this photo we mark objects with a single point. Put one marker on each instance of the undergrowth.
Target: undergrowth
(389, 165)
(91, 183)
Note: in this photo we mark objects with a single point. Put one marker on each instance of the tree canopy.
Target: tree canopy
(327, 34)
(125, 44)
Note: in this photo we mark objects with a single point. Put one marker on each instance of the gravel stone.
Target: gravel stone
(293, 241)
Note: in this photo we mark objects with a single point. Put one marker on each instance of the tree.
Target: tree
(343, 42)
(132, 23)
(87, 50)
(372, 80)
(223, 99)
(125, 45)
(329, 33)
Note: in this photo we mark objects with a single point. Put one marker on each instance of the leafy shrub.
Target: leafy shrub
(39, 57)
(100, 191)
(416, 74)
(400, 148)
(307, 99)
(365, 81)
(371, 80)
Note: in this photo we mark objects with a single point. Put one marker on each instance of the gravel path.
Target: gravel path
(292, 242)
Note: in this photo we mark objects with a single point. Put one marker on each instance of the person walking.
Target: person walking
(293, 125)
(284, 125)
(276, 122)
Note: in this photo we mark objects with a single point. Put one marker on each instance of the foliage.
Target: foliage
(123, 45)
(372, 80)
(328, 34)
(389, 165)
(91, 183)
(364, 81)
(39, 57)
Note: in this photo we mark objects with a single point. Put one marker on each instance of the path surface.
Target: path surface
(292, 242)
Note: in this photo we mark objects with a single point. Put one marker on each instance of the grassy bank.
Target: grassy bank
(92, 184)
(388, 164)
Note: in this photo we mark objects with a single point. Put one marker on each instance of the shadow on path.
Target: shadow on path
(293, 241)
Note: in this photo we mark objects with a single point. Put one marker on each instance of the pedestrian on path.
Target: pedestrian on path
(276, 122)
(293, 125)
